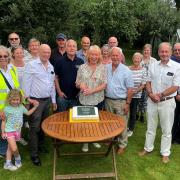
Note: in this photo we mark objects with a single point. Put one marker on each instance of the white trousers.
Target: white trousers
(165, 111)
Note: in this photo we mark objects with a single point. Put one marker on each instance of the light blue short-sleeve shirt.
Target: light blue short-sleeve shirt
(81, 55)
(14, 117)
(118, 81)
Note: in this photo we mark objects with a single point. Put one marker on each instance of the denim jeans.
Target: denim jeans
(65, 104)
(132, 114)
(3, 144)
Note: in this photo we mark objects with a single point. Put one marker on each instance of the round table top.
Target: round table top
(59, 127)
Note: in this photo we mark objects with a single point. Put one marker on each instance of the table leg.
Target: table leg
(114, 162)
(54, 164)
(113, 141)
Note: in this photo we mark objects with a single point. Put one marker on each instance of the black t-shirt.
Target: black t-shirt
(55, 55)
(66, 70)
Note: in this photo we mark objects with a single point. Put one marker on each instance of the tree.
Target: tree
(177, 4)
(35, 18)
(135, 22)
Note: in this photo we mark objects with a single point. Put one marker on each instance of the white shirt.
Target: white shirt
(29, 58)
(20, 72)
(38, 81)
(163, 76)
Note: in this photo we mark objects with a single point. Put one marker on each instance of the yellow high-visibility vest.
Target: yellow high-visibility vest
(4, 88)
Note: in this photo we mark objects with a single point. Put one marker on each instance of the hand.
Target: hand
(61, 94)
(54, 106)
(87, 91)
(155, 97)
(178, 97)
(2, 116)
(33, 101)
(126, 109)
(36, 103)
(4, 135)
(83, 86)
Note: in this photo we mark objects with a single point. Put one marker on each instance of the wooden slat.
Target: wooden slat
(85, 176)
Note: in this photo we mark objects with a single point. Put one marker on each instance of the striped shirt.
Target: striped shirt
(139, 78)
(146, 64)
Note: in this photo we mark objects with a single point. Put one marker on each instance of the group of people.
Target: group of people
(38, 79)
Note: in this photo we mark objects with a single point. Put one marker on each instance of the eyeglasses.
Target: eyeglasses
(12, 39)
(5, 57)
(176, 49)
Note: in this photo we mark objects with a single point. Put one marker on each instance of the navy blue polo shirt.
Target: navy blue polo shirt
(55, 55)
(66, 70)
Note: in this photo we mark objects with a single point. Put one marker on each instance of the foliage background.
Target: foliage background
(134, 22)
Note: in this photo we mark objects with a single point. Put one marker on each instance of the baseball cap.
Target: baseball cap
(61, 36)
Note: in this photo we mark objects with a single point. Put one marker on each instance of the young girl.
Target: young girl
(11, 127)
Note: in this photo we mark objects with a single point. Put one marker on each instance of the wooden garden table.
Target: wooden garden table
(108, 128)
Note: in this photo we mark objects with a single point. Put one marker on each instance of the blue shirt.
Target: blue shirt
(38, 81)
(118, 81)
(175, 59)
(66, 70)
(81, 55)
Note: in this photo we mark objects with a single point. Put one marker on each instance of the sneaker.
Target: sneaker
(129, 133)
(26, 125)
(10, 166)
(23, 141)
(18, 163)
(85, 147)
(97, 145)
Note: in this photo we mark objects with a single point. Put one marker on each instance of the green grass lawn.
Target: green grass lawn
(130, 166)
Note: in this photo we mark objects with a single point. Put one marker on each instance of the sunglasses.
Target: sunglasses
(5, 57)
(11, 39)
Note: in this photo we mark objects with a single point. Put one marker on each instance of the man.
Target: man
(119, 92)
(162, 83)
(66, 72)
(82, 53)
(38, 84)
(176, 53)
(14, 41)
(176, 126)
(113, 42)
(33, 47)
(60, 50)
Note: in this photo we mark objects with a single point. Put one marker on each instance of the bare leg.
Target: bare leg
(12, 146)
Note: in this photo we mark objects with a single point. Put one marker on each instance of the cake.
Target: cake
(84, 114)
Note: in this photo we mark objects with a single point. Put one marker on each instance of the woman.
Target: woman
(106, 59)
(18, 61)
(92, 80)
(17, 54)
(9, 80)
(139, 78)
(146, 61)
